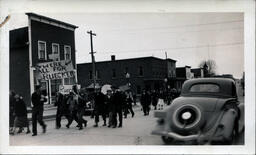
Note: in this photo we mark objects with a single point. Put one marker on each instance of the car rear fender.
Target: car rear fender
(241, 117)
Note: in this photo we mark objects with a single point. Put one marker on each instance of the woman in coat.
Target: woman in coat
(20, 111)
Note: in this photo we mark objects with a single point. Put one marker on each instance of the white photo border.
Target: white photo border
(124, 6)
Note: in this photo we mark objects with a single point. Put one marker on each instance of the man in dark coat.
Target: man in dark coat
(62, 109)
(145, 102)
(38, 100)
(99, 107)
(81, 111)
(154, 98)
(118, 100)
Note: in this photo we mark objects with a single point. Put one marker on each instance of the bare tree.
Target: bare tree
(209, 67)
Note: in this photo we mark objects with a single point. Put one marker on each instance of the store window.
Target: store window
(56, 51)
(41, 50)
(67, 52)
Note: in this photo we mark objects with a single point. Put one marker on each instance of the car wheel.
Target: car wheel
(187, 118)
(167, 140)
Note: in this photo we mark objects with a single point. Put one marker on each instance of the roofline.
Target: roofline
(183, 67)
(196, 68)
(127, 59)
(16, 29)
(30, 14)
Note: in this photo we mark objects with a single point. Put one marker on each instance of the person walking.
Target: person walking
(62, 109)
(118, 100)
(38, 100)
(128, 104)
(21, 119)
(111, 108)
(81, 111)
(145, 102)
(154, 96)
(99, 107)
(72, 106)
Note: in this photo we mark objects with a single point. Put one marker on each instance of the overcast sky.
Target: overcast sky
(188, 38)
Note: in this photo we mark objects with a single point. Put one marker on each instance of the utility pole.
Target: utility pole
(93, 59)
(165, 55)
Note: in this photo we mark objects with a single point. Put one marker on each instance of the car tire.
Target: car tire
(167, 140)
(194, 126)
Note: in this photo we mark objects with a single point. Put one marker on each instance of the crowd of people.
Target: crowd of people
(114, 105)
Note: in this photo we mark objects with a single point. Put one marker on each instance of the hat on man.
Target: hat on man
(38, 87)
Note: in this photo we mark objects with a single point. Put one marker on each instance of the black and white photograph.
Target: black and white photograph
(123, 78)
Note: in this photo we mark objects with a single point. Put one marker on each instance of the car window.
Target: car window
(205, 88)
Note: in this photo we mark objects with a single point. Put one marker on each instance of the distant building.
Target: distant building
(198, 72)
(140, 73)
(44, 40)
(183, 74)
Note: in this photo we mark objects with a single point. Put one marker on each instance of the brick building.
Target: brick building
(141, 73)
(44, 40)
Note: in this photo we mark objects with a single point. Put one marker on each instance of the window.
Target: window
(55, 52)
(97, 74)
(69, 81)
(90, 74)
(67, 52)
(213, 88)
(113, 73)
(140, 71)
(42, 50)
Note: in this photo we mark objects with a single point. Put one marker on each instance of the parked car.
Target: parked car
(207, 112)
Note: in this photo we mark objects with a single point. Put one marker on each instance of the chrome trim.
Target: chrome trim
(177, 136)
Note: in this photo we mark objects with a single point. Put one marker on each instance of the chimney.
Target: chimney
(113, 57)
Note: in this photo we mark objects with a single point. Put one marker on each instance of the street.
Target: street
(135, 131)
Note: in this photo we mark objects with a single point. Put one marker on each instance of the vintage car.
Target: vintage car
(206, 112)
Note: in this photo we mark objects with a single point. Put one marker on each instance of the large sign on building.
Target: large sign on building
(55, 70)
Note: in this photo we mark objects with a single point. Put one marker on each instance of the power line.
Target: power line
(176, 26)
(174, 48)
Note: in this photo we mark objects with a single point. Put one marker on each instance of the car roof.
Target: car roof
(226, 85)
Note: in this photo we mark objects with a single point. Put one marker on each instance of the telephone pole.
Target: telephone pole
(93, 59)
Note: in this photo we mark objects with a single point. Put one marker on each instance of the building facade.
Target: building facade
(45, 40)
(139, 73)
(183, 74)
(198, 72)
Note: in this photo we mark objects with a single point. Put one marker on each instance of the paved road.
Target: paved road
(135, 131)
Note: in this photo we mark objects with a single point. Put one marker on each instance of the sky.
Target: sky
(188, 38)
